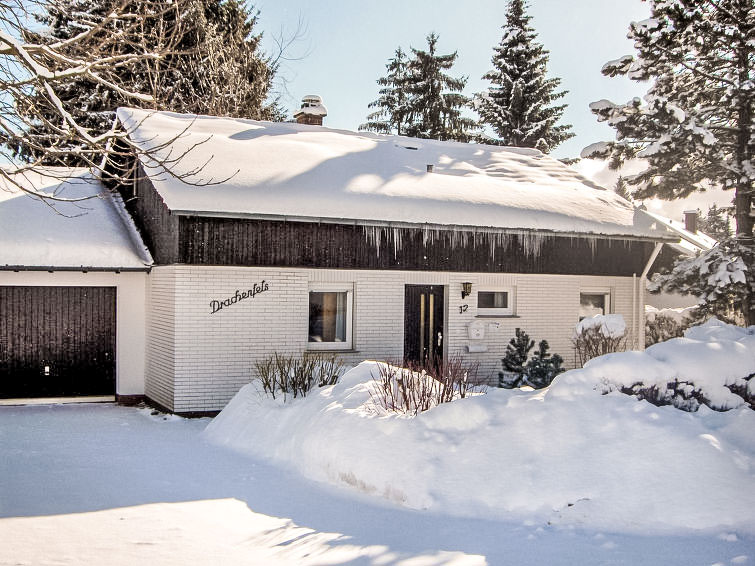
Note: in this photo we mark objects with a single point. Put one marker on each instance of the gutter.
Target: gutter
(640, 331)
(83, 268)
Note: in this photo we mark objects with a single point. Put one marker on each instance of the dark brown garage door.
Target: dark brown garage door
(57, 341)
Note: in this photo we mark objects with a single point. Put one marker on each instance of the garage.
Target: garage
(57, 341)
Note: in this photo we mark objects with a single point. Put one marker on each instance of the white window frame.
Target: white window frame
(606, 292)
(497, 311)
(347, 288)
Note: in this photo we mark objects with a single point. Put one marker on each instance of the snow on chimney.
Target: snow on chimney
(690, 221)
(312, 111)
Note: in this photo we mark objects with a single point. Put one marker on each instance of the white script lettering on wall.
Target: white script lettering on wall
(238, 296)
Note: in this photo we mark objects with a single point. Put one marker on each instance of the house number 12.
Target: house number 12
(463, 309)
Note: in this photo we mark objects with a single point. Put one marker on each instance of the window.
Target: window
(591, 304)
(497, 303)
(330, 319)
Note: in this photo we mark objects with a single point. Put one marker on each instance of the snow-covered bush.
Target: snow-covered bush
(664, 324)
(282, 374)
(711, 365)
(598, 335)
(413, 389)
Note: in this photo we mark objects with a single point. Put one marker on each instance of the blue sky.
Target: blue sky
(346, 44)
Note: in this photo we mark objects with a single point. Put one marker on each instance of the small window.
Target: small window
(330, 319)
(591, 304)
(494, 303)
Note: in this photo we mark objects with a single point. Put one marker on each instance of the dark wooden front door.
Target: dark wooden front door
(57, 341)
(423, 324)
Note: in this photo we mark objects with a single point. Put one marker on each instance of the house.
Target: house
(296, 238)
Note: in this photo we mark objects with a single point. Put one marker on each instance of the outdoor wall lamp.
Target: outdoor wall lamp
(466, 289)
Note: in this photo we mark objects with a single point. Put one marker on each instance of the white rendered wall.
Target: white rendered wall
(130, 287)
(212, 355)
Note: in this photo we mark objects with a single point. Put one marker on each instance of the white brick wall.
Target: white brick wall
(212, 355)
(160, 358)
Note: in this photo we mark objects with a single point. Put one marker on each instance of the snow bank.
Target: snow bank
(565, 454)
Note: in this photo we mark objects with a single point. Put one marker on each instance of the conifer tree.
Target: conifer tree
(715, 223)
(621, 189)
(435, 101)
(215, 67)
(519, 104)
(515, 359)
(392, 110)
(543, 367)
(696, 125)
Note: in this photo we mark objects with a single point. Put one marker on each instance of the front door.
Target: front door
(423, 324)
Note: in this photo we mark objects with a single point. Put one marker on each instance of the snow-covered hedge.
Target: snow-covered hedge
(565, 454)
(712, 365)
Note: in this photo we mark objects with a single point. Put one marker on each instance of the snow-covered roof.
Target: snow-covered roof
(691, 243)
(235, 167)
(96, 233)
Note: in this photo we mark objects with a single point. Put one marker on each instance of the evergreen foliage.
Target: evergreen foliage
(519, 104)
(719, 278)
(542, 367)
(715, 223)
(435, 97)
(515, 359)
(696, 126)
(419, 99)
(214, 67)
(621, 189)
(392, 106)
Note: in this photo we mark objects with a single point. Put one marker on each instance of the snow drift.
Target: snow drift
(576, 453)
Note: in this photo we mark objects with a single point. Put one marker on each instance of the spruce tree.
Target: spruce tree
(715, 223)
(392, 110)
(515, 359)
(519, 104)
(696, 126)
(215, 67)
(435, 101)
(542, 368)
(621, 189)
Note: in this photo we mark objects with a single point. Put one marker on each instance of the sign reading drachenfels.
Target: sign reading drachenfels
(239, 296)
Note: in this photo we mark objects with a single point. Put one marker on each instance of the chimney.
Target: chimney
(690, 221)
(312, 111)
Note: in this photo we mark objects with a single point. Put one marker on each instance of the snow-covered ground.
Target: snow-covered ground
(560, 476)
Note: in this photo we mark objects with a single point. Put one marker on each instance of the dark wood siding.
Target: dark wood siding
(158, 227)
(248, 242)
(68, 330)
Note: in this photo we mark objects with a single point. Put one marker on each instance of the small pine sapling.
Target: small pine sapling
(543, 367)
(515, 359)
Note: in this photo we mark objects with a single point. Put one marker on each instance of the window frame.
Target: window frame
(497, 311)
(348, 288)
(607, 302)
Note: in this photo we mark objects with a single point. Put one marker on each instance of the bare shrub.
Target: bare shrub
(414, 389)
(591, 342)
(282, 374)
(662, 327)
